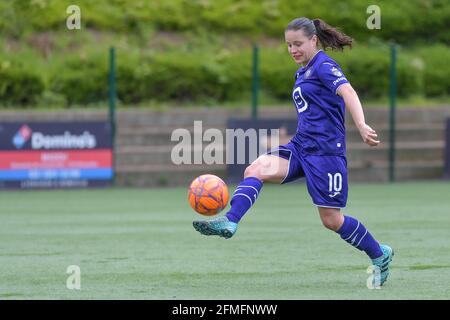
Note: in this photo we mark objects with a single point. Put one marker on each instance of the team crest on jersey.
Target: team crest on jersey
(307, 73)
(336, 72)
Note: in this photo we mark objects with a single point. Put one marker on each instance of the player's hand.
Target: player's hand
(369, 135)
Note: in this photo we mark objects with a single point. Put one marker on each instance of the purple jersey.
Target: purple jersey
(321, 112)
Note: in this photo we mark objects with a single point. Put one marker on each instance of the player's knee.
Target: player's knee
(265, 169)
(253, 171)
(331, 223)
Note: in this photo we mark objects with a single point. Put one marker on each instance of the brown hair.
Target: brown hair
(329, 37)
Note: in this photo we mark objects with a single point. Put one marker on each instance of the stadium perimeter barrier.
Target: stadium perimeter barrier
(56, 154)
(447, 151)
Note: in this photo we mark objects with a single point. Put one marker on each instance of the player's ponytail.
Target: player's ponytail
(329, 37)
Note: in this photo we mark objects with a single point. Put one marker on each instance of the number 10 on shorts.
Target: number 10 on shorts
(334, 183)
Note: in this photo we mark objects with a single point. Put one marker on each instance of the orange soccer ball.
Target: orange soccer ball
(208, 194)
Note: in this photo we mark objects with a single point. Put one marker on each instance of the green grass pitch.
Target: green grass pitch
(140, 244)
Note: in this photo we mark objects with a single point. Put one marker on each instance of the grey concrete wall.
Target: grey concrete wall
(143, 145)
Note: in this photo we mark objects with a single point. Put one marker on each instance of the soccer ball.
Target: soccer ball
(208, 194)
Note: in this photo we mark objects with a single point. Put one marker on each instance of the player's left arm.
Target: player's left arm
(353, 104)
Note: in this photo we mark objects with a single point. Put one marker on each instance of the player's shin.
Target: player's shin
(356, 234)
(243, 198)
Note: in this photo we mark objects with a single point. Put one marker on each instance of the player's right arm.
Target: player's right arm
(353, 104)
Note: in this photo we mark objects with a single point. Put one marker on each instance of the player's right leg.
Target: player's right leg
(326, 179)
(267, 168)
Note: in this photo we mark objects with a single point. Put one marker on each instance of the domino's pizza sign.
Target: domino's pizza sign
(55, 154)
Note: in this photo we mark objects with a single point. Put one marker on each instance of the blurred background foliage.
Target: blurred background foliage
(199, 51)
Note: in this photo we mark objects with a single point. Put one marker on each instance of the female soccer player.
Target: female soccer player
(317, 151)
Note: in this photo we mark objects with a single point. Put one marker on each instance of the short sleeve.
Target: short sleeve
(331, 75)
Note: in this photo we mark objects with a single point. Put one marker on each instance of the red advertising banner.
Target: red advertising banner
(55, 159)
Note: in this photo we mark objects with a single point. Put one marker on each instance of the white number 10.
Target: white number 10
(334, 182)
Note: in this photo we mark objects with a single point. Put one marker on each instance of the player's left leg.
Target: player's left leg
(280, 165)
(267, 168)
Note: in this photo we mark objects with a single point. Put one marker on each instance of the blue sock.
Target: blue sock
(358, 236)
(243, 198)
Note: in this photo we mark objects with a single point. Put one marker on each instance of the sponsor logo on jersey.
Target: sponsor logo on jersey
(336, 72)
(338, 80)
(299, 101)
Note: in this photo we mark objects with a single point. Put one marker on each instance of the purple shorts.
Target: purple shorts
(326, 176)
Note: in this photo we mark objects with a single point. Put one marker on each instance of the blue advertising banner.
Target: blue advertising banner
(55, 154)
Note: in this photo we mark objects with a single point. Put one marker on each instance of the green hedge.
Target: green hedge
(368, 70)
(207, 77)
(277, 72)
(201, 66)
(185, 77)
(436, 70)
(19, 86)
(237, 74)
(82, 81)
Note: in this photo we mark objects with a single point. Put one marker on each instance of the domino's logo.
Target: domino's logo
(22, 136)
